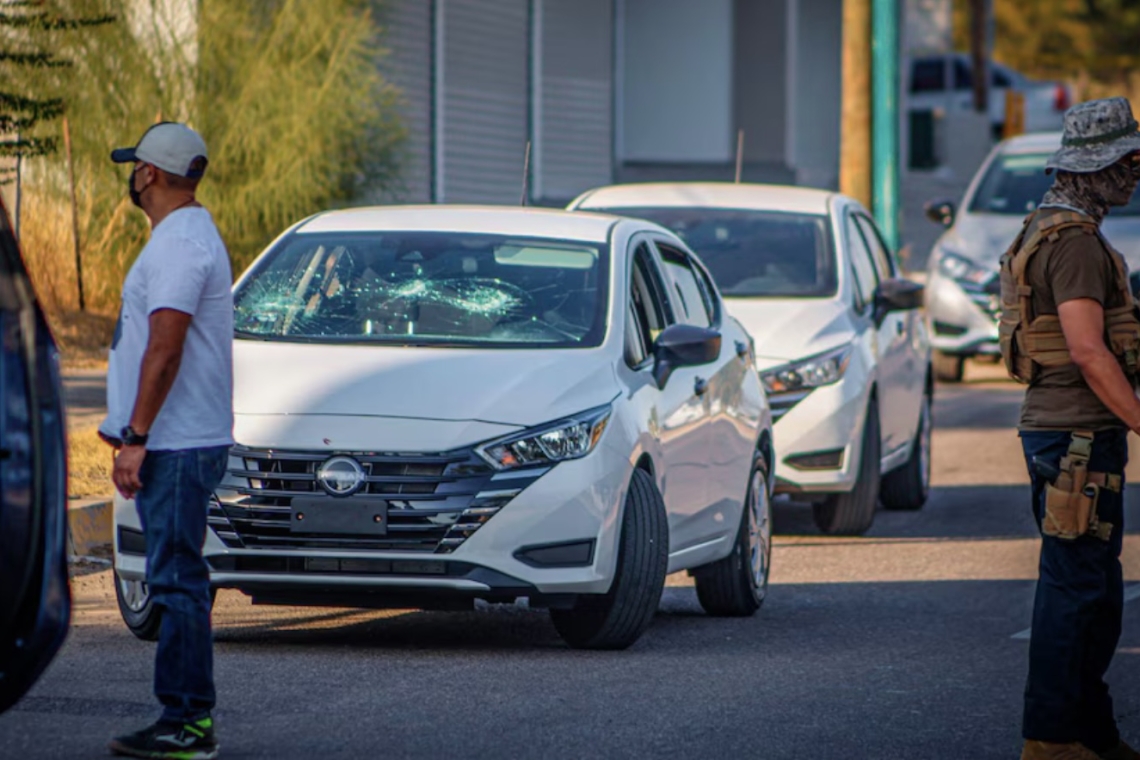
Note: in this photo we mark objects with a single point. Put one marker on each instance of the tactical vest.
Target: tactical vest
(1030, 341)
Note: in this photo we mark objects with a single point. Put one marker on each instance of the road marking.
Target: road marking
(1131, 594)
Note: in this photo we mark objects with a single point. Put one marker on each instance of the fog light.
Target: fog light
(818, 460)
(574, 554)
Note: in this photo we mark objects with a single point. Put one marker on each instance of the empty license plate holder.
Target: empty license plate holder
(344, 517)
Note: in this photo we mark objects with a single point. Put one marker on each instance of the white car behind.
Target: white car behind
(441, 404)
(841, 345)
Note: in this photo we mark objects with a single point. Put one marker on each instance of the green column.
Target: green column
(885, 117)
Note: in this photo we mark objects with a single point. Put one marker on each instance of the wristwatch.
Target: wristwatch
(131, 438)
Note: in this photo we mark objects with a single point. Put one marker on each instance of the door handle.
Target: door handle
(741, 349)
(700, 386)
(900, 327)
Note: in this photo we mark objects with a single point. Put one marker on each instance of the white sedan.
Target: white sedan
(841, 345)
(441, 404)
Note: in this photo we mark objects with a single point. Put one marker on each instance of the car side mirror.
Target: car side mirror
(898, 295)
(683, 346)
(940, 212)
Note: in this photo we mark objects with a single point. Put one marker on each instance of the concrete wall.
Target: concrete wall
(676, 81)
(760, 70)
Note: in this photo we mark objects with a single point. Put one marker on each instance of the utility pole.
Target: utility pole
(855, 123)
(979, 53)
(885, 109)
(74, 213)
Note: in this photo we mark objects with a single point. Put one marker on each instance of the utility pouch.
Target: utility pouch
(1069, 505)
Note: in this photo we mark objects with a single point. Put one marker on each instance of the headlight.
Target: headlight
(571, 438)
(817, 371)
(962, 269)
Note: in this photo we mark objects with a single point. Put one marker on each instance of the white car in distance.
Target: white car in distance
(441, 404)
(841, 345)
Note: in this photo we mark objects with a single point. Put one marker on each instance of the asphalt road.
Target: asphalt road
(909, 642)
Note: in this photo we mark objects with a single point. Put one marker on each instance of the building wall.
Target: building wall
(817, 100)
(676, 81)
(406, 26)
(760, 73)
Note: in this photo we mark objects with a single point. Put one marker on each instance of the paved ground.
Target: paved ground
(85, 392)
(906, 643)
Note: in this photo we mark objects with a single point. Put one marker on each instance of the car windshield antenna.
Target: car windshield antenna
(739, 153)
(526, 176)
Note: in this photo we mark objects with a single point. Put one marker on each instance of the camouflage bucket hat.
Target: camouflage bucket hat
(1097, 134)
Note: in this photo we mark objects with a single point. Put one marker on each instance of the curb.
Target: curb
(89, 527)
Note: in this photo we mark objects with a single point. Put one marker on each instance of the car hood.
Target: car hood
(985, 237)
(788, 329)
(506, 387)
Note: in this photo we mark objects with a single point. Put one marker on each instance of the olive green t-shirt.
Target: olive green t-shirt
(1076, 265)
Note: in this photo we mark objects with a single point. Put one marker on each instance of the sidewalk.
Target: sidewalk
(88, 520)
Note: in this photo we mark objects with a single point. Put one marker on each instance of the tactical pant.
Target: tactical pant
(1078, 608)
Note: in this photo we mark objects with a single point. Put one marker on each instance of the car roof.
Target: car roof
(709, 195)
(494, 220)
(1037, 142)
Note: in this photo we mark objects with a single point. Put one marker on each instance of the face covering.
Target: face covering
(136, 195)
(1094, 193)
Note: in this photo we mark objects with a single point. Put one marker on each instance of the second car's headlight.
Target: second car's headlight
(570, 438)
(961, 269)
(817, 371)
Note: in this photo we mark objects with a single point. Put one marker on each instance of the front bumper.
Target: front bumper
(829, 420)
(574, 503)
(963, 323)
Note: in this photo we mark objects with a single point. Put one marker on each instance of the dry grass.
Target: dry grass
(88, 465)
(84, 338)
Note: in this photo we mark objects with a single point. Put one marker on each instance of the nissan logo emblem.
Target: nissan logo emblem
(340, 476)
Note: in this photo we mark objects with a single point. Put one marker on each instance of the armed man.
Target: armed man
(1069, 329)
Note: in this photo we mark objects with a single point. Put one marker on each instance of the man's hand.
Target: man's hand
(128, 462)
(1082, 322)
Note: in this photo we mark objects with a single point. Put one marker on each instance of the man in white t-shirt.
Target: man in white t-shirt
(170, 419)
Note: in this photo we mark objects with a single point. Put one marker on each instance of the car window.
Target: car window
(691, 303)
(884, 264)
(861, 267)
(928, 75)
(1000, 77)
(427, 288)
(753, 254)
(963, 76)
(1014, 183)
(647, 305)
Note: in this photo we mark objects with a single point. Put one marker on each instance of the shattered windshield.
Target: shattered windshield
(426, 288)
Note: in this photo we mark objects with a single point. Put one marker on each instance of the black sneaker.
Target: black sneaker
(170, 741)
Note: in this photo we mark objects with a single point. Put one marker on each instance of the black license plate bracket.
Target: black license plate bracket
(342, 517)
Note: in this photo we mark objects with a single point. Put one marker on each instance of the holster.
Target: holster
(1071, 499)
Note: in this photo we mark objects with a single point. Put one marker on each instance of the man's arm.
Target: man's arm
(1082, 321)
(160, 363)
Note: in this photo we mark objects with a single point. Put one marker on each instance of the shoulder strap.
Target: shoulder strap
(1048, 227)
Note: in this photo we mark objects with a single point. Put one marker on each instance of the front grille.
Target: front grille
(782, 403)
(435, 502)
(987, 295)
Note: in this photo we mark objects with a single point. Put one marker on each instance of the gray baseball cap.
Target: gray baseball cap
(1097, 135)
(170, 146)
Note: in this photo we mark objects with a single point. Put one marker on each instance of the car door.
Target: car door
(680, 411)
(904, 358)
(34, 596)
(730, 446)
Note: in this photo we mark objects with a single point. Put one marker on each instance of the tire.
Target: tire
(851, 513)
(948, 368)
(908, 487)
(616, 619)
(737, 585)
(139, 612)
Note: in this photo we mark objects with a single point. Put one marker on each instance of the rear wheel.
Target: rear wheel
(736, 585)
(616, 619)
(908, 487)
(851, 513)
(948, 368)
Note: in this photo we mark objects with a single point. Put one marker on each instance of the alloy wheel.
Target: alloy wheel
(759, 530)
(135, 594)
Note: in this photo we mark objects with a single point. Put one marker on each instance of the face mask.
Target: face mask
(136, 195)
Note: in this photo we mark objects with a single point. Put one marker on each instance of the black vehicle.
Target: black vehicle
(35, 599)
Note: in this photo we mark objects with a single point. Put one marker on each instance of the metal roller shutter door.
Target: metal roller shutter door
(407, 34)
(485, 103)
(574, 129)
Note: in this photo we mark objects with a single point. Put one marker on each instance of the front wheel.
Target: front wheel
(139, 612)
(616, 619)
(908, 487)
(851, 513)
(736, 585)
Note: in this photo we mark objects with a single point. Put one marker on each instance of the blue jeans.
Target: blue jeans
(177, 486)
(1078, 608)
